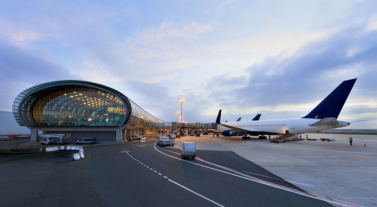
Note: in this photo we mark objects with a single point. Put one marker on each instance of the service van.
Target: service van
(86, 141)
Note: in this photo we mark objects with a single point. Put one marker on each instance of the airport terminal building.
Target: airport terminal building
(82, 109)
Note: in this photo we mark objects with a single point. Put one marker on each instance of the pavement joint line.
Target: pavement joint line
(187, 188)
(260, 175)
(247, 177)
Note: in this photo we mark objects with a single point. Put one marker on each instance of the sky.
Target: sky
(277, 58)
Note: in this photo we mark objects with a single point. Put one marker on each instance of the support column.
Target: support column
(33, 135)
(124, 132)
(118, 135)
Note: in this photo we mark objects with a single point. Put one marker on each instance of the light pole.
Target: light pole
(178, 115)
(181, 101)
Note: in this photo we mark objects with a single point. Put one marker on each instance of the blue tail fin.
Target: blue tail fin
(218, 117)
(333, 103)
(256, 118)
(239, 119)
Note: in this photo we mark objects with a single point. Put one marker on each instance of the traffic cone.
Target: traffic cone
(365, 144)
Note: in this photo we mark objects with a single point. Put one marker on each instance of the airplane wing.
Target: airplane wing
(232, 127)
(326, 121)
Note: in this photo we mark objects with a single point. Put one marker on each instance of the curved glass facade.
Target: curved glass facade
(73, 103)
(79, 107)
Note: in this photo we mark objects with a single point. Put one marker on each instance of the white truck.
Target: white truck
(53, 139)
(188, 150)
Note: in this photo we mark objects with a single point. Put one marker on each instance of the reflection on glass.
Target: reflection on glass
(79, 107)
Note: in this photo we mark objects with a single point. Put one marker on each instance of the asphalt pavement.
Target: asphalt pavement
(141, 174)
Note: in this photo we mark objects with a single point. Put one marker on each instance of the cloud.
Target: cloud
(225, 3)
(20, 70)
(15, 36)
(372, 26)
(149, 55)
(305, 78)
(168, 30)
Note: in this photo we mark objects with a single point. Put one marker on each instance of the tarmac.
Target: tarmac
(227, 172)
(141, 174)
(331, 169)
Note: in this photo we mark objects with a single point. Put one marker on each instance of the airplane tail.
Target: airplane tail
(239, 119)
(256, 118)
(333, 103)
(218, 117)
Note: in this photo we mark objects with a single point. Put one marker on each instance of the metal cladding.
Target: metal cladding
(74, 103)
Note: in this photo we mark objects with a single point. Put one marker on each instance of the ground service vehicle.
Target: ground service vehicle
(86, 141)
(165, 141)
(50, 140)
(55, 139)
(135, 137)
(188, 150)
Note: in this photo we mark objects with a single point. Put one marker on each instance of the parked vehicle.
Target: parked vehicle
(143, 137)
(205, 133)
(165, 141)
(86, 141)
(135, 137)
(55, 139)
(188, 150)
(277, 140)
(51, 140)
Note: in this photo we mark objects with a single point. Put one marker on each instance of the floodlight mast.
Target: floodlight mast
(181, 101)
(178, 112)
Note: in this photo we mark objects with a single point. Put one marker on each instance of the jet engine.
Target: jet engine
(227, 132)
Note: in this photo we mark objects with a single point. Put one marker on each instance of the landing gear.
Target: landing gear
(262, 137)
(245, 137)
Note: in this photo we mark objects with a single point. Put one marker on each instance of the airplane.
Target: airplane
(323, 117)
(256, 118)
(220, 129)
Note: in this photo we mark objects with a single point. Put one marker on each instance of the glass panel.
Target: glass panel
(79, 107)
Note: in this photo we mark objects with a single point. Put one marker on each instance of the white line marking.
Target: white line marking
(165, 177)
(196, 193)
(159, 173)
(329, 200)
(313, 186)
(155, 171)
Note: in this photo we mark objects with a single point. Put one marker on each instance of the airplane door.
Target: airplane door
(292, 125)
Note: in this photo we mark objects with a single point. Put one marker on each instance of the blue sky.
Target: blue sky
(278, 58)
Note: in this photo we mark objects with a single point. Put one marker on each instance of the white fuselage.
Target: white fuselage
(282, 126)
